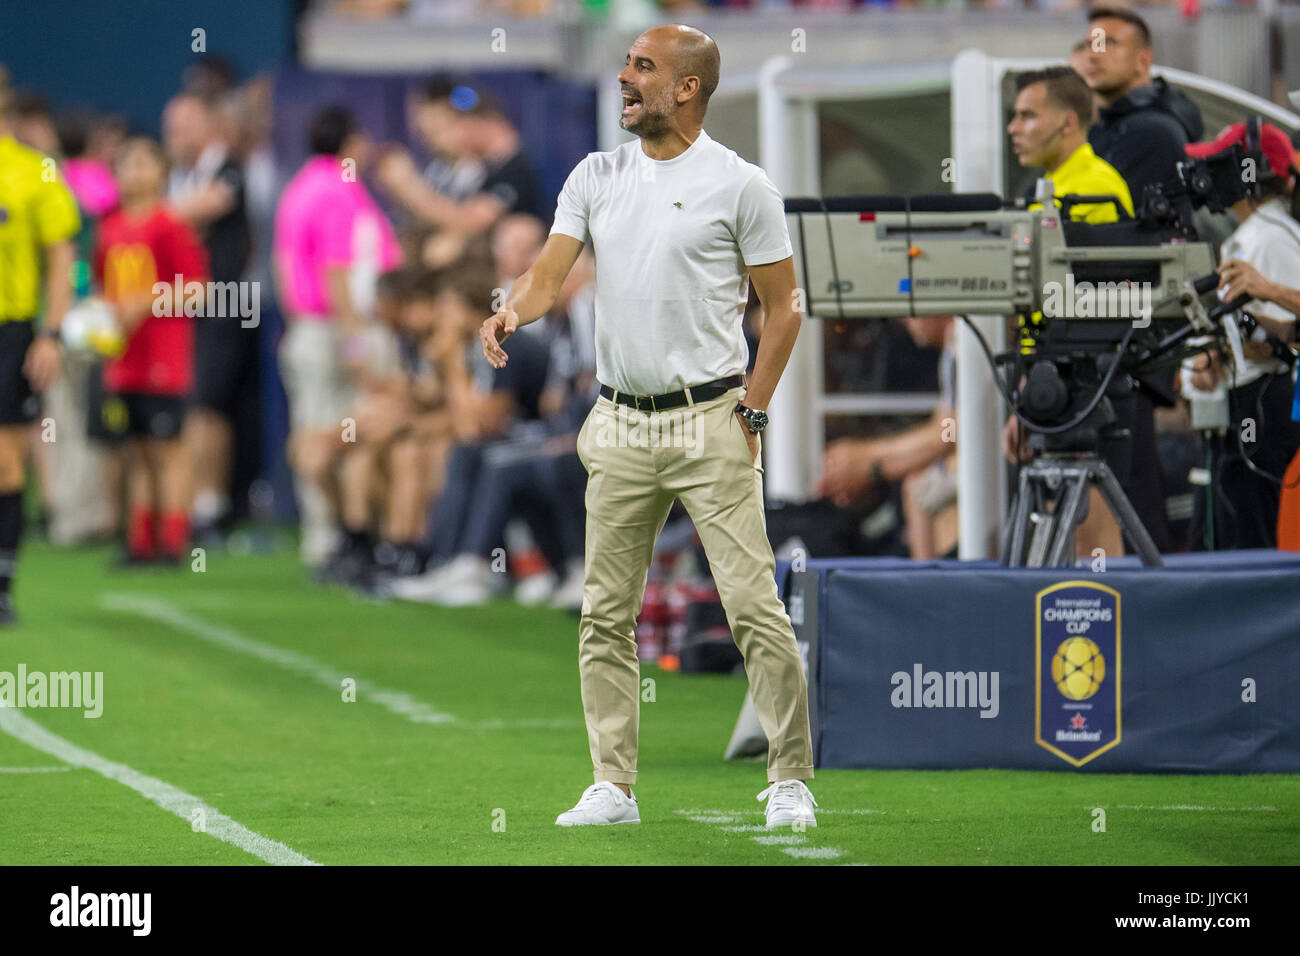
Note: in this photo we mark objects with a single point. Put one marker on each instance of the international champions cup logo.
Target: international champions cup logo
(1077, 670)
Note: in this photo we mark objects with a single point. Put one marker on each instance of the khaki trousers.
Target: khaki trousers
(637, 464)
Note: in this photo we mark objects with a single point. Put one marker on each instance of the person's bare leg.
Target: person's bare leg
(313, 455)
(209, 439)
(1098, 530)
(175, 484)
(140, 498)
(355, 483)
(169, 466)
(408, 497)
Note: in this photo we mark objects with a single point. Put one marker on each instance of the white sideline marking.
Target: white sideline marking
(170, 798)
(395, 701)
(34, 769)
(1186, 806)
(779, 840)
(820, 812)
(725, 821)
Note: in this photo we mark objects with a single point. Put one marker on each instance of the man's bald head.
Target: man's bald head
(695, 54)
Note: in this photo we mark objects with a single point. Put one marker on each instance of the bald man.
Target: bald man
(680, 226)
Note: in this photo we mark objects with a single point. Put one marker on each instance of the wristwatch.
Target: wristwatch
(757, 420)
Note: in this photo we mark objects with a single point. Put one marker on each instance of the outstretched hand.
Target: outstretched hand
(495, 331)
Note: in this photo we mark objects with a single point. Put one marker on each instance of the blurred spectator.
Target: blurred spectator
(143, 245)
(474, 127)
(1143, 123)
(210, 77)
(453, 171)
(331, 243)
(496, 415)
(89, 177)
(32, 123)
(516, 243)
(207, 189)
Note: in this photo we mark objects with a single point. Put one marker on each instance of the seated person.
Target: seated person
(485, 408)
(920, 457)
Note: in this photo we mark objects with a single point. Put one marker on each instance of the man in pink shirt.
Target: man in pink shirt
(331, 243)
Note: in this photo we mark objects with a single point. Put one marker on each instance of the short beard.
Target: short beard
(652, 124)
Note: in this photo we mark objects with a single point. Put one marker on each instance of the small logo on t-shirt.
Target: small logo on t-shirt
(678, 205)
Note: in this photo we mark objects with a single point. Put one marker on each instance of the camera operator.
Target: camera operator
(1053, 110)
(1237, 277)
(1262, 438)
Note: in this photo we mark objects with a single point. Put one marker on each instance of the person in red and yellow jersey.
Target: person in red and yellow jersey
(145, 257)
(38, 220)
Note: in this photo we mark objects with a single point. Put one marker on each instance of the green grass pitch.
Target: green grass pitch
(199, 693)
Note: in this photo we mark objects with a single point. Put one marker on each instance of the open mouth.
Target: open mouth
(631, 103)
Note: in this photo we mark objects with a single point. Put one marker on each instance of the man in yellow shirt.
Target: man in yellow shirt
(1049, 128)
(38, 219)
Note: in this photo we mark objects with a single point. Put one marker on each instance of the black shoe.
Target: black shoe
(369, 582)
(8, 617)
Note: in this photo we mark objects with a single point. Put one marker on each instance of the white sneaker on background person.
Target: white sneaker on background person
(789, 802)
(464, 580)
(601, 804)
(568, 593)
(536, 588)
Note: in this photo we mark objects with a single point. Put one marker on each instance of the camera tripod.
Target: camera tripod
(1037, 537)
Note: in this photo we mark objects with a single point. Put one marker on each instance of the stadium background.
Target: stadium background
(551, 78)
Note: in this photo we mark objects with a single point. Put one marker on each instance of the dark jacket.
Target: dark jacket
(1143, 134)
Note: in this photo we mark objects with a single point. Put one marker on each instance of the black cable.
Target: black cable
(835, 268)
(1050, 429)
(1259, 426)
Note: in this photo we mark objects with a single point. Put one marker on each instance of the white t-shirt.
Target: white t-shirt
(1270, 241)
(673, 241)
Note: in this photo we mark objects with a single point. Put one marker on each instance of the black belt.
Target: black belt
(687, 396)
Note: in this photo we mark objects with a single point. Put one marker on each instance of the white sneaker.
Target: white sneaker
(568, 593)
(465, 580)
(536, 588)
(789, 803)
(602, 804)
